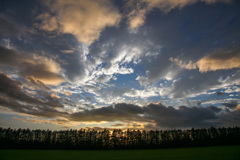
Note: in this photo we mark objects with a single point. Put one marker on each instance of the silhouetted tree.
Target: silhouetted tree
(82, 139)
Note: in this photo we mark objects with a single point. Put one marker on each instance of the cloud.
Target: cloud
(12, 89)
(38, 83)
(134, 125)
(187, 42)
(88, 99)
(238, 107)
(159, 68)
(183, 64)
(67, 93)
(48, 22)
(141, 93)
(84, 19)
(231, 105)
(68, 51)
(117, 125)
(116, 69)
(78, 68)
(219, 93)
(63, 122)
(232, 79)
(139, 9)
(183, 117)
(137, 17)
(231, 119)
(218, 60)
(158, 114)
(31, 65)
(8, 28)
(44, 69)
(117, 112)
(13, 97)
(195, 84)
(124, 52)
(116, 55)
(99, 71)
(214, 1)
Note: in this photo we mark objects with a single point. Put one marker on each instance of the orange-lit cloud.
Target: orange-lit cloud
(45, 70)
(63, 122)
(84, 19)
(48, 22)
(183, 64)
(37, 83)
(219, 60)
(226, 60)
(238, 107)
(136, 17)
(40, 68)
(67, 93)
(68, 51)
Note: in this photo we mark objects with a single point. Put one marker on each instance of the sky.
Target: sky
(138, 64)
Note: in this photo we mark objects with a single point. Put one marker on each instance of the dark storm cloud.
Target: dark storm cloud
(183, 117)
(118, 112)
(12, 89)
(76, 69)
(231, 119)
(10, 57)
(214, 109)
(197, 83)
(231, 105)
(219, 93)
(35, 110)
(162, 116)
(12, 96)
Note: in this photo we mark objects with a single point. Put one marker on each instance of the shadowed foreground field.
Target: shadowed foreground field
(200, 153)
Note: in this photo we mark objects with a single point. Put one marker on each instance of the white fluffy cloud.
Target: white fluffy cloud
(141, 93)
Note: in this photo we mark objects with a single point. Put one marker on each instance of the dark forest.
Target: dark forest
(117, 138)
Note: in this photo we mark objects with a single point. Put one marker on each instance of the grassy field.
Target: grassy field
(201, 153)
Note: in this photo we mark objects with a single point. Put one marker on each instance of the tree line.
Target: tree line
(117, 138)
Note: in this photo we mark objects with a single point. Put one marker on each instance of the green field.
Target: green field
(200, 153)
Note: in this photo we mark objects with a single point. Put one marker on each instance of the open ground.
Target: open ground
(198, 153)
